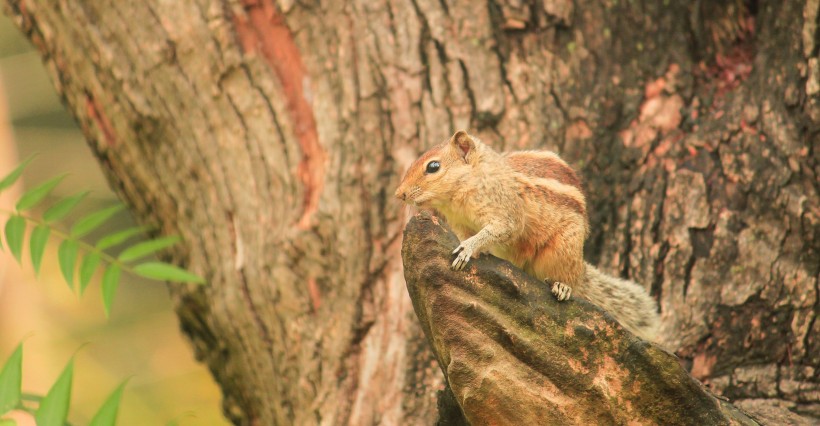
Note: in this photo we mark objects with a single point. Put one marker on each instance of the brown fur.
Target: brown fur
(526, 207)
(543, 164)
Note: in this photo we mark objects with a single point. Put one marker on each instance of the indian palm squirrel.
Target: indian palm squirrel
(528, 208)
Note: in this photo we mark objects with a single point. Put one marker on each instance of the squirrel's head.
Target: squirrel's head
(430, 180)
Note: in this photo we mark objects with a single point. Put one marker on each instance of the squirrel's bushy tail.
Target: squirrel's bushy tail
(625, 300)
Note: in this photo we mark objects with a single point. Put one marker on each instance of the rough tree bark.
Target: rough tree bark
(270, 135)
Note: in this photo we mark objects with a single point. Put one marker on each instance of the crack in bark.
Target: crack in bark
(806, 342)
(656, 287)
(469, 90)
(558, 103)
(391, 22)
(252, 142)
(207, 20)
(425, 36)
(100, 119)
(627, 244)
(271, 110)
(687, 272)
(497, 20)
(260, 152)
(442, 54)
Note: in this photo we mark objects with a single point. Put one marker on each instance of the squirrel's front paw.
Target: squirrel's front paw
(465, 251)
(561, 291)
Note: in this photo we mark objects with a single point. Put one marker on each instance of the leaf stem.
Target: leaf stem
(31, 397)
(88, 248)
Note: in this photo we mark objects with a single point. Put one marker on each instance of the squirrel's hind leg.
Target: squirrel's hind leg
(560, 264)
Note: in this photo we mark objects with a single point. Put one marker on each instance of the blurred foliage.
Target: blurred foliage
(141, 338)
(52, 409)
(73, 246)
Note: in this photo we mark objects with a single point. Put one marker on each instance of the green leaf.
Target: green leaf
(11, 380)
(87, 269)
(63, 207)
(110, 280)
(15, 231)
(8, 422)
(34, 195)
(167, 272)
(118, 238)
(12, 177)
(54, 406)
(107, 415)
(67, 255)
(37, 244)
(147, 247)
(94, 220)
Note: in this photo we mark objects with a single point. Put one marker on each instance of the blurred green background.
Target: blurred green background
(141, 339)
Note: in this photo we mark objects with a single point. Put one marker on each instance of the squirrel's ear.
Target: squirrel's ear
(463, 142)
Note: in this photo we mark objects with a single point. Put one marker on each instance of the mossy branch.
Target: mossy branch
(512, 354)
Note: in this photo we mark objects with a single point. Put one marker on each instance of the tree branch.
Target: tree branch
(512, 354)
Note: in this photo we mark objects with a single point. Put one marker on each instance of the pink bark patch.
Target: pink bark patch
(101, 120)
(263, 29)
(659, 113)
(578, 130)
(315, 294)
(702, 365)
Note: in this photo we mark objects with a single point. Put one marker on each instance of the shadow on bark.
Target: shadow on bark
(511, 354)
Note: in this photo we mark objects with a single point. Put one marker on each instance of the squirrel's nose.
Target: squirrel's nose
(401, 195)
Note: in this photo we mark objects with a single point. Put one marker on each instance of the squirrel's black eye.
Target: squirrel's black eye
(433, 166)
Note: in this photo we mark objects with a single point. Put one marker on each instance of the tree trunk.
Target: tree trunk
(271, 135)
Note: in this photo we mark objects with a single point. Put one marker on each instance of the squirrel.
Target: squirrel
(526, 207)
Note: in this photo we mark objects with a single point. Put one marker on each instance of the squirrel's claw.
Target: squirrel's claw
(561, 291)
(465, 251)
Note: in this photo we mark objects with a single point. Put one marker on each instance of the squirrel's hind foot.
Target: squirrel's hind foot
(561, 291)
